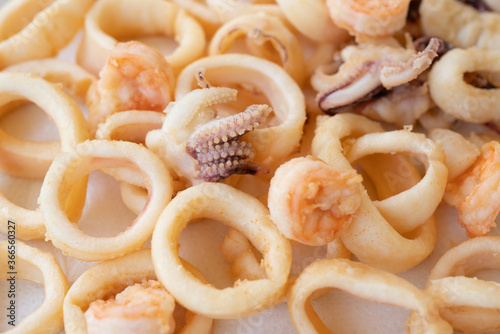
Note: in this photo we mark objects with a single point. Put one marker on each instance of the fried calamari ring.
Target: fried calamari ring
(132, 18)
(470, 305)
(32, 159)
(75, 80)
(362, 281)
(32, 29)
(208, 17)
(133, 126)
(258, 29)
(130, 125)
(435, 118)
(458, 98)
(238, 251)
(460, 24)
(39, 267)
(423, 198)
(460, 153)
(107, 278)
(369, 19)
(370, 237)
(317, 25)
(272, 142)
(87, 157)
(228, 10)
(243, 213)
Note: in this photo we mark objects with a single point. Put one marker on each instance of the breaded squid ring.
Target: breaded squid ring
(258, 29)
(32, 159)
(460, 24)
(431, 187)
(228, 10)
(34, 265)
(251, 218)
(286, 99)
(87, 157)
(204, 13)
(397, 171)
(370, 237)
(136, 18)
(130, 125)
(456, 97)
(75, 80)
(317, 25)
(33, 29)
(133, 197)
(362, 281)
(110, 277)
(460, 152)
(238, 252)
(133, 126)
(470, 305)
(369, 19)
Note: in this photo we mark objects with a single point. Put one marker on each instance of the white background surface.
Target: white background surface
(105, 214)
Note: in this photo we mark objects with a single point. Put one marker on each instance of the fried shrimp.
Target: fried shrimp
(369, 19)
(141, 308)
(311, 201)
(135, 77)
(476, 193)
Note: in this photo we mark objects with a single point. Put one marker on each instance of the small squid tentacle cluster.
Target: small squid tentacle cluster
(219, 152)
(369, 69)
(199, 147)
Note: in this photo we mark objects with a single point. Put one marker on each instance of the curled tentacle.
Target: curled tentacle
(369, 69)
(395, 74)
(200, 147)
(217, 149)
